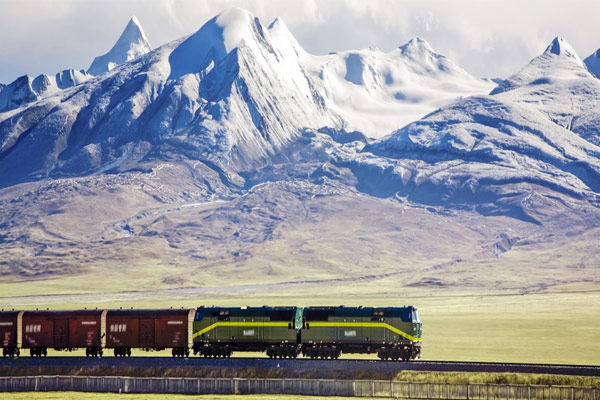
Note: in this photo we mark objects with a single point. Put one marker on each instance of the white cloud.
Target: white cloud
(486, 37)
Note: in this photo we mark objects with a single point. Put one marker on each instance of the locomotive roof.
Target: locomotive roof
(246, 311)
(341, 311)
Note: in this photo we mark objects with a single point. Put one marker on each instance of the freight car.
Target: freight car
(218, 331)
(61, 330)
(149, 330)
(391, 332)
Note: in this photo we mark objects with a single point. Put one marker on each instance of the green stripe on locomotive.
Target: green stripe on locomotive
(247, 324)
(361, 324)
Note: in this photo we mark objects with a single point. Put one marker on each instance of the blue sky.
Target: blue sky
(491, 38)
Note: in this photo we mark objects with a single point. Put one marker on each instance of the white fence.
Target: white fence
(314, 387)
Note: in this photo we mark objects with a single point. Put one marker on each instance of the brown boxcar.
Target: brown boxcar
(149, 330)
(62, 330)
(8, 333)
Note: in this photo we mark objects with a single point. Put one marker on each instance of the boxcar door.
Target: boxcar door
(61, 333)
(146, 333)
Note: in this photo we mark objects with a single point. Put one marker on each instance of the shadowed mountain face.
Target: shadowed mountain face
(234, 152)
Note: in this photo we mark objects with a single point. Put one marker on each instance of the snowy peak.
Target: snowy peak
(284, 40)
(131, 44)
(560, 46)
(416, 45)
(237, 25)
(203, 49)
(559, 62)
(593, 63)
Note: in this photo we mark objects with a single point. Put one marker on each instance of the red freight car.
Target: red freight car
(8, 333)
(62, 330)
(149, 330)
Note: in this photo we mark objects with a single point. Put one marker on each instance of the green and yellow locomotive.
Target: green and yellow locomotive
(218, 331)
(392, 332)
(318, 332)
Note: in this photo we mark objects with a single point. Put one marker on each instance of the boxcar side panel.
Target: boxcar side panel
(37, 331)
(85, 331)
(122, 331)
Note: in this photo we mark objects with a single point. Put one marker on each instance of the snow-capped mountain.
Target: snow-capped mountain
(558, 84)
(131, 44)
(593, 63)
(376, 93)
(26, 89)
(526, 140)
(232, 94)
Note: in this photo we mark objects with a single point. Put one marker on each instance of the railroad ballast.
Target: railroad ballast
(317, 332)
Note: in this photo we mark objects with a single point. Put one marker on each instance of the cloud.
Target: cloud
(491, 38)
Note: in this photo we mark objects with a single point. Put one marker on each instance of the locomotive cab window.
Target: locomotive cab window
(377, 315)
(199, 316)
(223, 315)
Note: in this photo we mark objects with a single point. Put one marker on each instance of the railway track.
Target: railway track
(299, 364)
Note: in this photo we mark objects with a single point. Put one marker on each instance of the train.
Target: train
(392, 333)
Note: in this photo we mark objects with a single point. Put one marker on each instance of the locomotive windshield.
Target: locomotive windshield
(415, 315)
